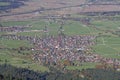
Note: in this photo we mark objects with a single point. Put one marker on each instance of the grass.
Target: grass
(84, 66)
(14, 43)
(31, 66)
(15, 23)
(30, 33)
(20, 60)
(76, 28)
(107, 25)
(4, 3)
(70, 28)
(108, 47)
(106, 51)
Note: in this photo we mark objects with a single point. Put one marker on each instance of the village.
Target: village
(59, 38)
(62, 49)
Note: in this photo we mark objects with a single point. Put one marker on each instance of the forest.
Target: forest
(8, 72)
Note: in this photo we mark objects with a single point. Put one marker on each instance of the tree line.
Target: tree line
(8, 72)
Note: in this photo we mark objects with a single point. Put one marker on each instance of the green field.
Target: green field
(15, 23)
(107, 25)
(4, 3)
(79, 28)
(83, 66)
(20, 61)
(14, 57)
(108, 47)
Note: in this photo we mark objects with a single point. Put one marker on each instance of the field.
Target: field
(84, 66)
(16, 58)
(109, 47)
(4, 3)
(108, 44)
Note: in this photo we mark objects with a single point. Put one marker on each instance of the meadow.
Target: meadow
(4, 3)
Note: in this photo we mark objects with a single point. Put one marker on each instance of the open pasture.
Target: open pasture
(70, 27)
(108, 47)
(107, 25)
(14, 57)
(4, 3)
(83, 66)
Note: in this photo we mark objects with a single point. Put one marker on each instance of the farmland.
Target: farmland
(4, 3)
